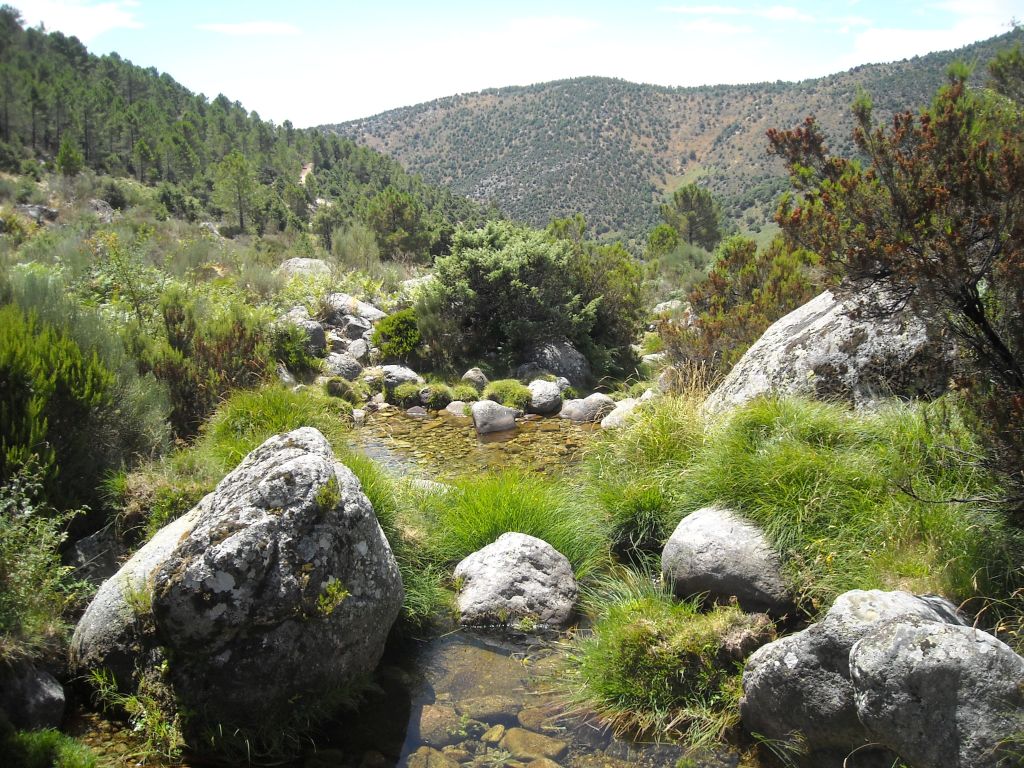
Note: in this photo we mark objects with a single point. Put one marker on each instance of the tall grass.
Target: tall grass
(475, 511)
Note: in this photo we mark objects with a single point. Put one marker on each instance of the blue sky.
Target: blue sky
(321, 62)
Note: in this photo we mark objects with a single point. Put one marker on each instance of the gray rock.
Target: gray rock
(399, 374)
(359, 349)
(31, 697)
(102, 209)
(316, 338)
(831, 348)
(358, 417)
(476, 378)
(38, 213)
(623, 410)
(801, 683)
(592, 408)
(278, 586)
(354, 327)
(656, 359)
(457, 408)
(545, 397)
(716, 551)
(563, 383)
(940, 695)
(666, 307)
(337, 305)
(95, 558)
(516, 577)
(489, 416)
(417, 411)
(342, 364)
(530, 371)
(562, 359)
(285, 376)
(300, 267)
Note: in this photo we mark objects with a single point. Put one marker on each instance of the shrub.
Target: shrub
(290, 347)
(654, 666)
(397, 336)
(35, 587)
(47, 748)
(508, 392)
(406, 395)
(477, 510)
(353, 392)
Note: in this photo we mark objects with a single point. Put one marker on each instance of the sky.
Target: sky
(331, 61)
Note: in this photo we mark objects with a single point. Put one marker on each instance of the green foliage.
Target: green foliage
(652, 665)
(333, 595)
(467, 393)
(47, 748)
(234, 187)
(328, 496)
(69, 159)
(477, 510)
(353, 392)
(694, 215)
(36, 589)
(437, 396)
(51, 397)
(746, 291)
(290, 346)
(396, 219)
(397, 336)
(406, 394)
(146, 710)
(935, 216)
(508, 392)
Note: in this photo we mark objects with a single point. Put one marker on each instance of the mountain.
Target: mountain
(612, 149)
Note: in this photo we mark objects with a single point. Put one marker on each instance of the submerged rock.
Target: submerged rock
(516, 578)
(939, 695)
(278, 587)
(834, 348)
(715, 551)
(801, 685)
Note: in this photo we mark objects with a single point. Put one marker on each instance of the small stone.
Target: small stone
(425, 757)
(527, 745)
(489, 709)
(542, 762)
(534, 718)
(439, 725)
(493, 734)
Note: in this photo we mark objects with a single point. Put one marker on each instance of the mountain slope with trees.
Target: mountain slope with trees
(613, 149)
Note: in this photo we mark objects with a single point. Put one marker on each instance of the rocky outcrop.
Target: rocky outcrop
(800, 685)
(353, 327)
(545, 397)
(342, 364)
(300, 267)
(939, 695)
(715, 551)
(103, 211)
(592, 408)
(489, 416)
(278, 587)
(338, 305)
(836, 349)
(516, 578)
(561, 359)
(30, 697)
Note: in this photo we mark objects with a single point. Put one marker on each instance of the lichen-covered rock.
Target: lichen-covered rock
(489, 416)
(545, 397)
(518, 577)
(359, 349)
(338, 305)
(31, 697)
(833, 348)
(475, 378)
(342, 364)
(562, 359)
(800, 684)
(625, 410)
(940, 695)
(278, 587)
(592, 408)
(715, 551)
(302, 267)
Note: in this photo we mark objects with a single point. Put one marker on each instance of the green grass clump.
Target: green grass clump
(654, 666)
(438, 396)
(47, 748)
(508, 392)
(475, 511)
(353, 392)
(467, 393)
(406, 395)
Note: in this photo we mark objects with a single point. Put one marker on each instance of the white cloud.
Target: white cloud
(711, 27)
(773, 13)
(253, 29)
(81, 18)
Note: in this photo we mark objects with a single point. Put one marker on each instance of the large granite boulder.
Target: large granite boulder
(592, 408)
(715, 551)
(489, 416)
(302, 267)
(342, 364)
(338, 305)
(516, 578)
(278, 587)
(545, 397)
(399, 374)
(836, 348)
(800, 685)
(940, 695)
(475, 378)
(562, 359)
(30, 697)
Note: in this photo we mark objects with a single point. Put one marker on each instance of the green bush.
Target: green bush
(354, 392)
(36, 589)
(44, 749)
(467, 393)
(397, 336)
(290, 346)
(438, 396)
(406, 395)
(477, 510)
(655, 666)
(508, 392)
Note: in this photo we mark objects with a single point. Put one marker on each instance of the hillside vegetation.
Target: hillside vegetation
(611, 149)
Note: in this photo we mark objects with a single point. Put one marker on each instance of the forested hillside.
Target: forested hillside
(612, 149)
(62, 107)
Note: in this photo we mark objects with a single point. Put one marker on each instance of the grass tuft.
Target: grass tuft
(508, 392)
